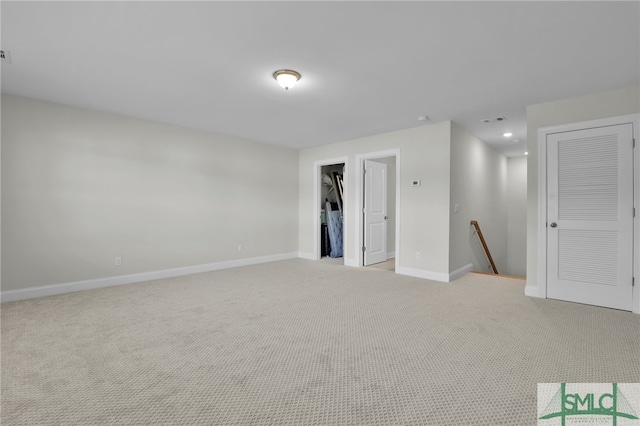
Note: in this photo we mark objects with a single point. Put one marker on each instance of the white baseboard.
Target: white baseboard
(435, 276)
(460, 272)
(305, 255)
(53, 289)
(531, 291)
(421, 273)
(351, 262)
(311, 256)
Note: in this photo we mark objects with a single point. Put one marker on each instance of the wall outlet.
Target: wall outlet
(456, 208)
(240, 248)
(418, 255)
(118, 261)
(416, 182)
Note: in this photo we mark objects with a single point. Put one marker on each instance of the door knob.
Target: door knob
(553, 224)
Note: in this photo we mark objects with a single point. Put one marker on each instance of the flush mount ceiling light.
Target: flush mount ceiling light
(508, 135)
(286, 78)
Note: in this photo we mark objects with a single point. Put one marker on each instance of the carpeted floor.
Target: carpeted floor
(388, 265)
(303, 343)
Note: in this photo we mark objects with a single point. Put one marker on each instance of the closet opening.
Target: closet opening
(332, 217)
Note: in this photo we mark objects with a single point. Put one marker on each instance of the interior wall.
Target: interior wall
(424, 210)
(478, 186)
(81, 187)
(611, 103)
(516, 216)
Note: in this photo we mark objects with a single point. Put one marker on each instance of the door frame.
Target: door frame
(634, 120)
(359, 185)
(317, 190)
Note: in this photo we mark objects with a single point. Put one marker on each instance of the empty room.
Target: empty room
(320, 213)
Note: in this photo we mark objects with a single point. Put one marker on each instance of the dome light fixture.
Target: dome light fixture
(508, 135)
(286, 78)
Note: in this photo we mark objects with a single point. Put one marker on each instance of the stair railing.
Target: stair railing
(478, 232)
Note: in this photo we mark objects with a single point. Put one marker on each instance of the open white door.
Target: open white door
(375, 212)
(590, 216)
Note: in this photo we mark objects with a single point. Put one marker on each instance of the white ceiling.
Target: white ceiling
(367, 67)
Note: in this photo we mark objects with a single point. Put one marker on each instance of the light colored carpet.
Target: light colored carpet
(303, 343)
(388, 265)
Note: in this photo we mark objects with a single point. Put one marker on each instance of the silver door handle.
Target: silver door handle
(553, 224)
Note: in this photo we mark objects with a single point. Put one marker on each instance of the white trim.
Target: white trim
(636, 222)
(453, 275)
(317, 171)
(359, 197)
(634, 120)
(351, 262)
(62, 288)
(421, 273)
(542, 215)
(305, 255)
(531, 291)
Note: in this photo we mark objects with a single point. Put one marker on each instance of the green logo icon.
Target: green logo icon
(613, 404)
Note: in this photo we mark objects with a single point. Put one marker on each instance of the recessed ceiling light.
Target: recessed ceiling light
(286, 78)
(508, 135)
(526, 153)
(423, 118)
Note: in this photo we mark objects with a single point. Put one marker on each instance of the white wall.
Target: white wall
(81, 187)
(516, 216)
(478, 185)
(612, 103)
(424, 210)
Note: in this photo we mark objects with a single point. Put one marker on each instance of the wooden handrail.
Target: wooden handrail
(474, 223)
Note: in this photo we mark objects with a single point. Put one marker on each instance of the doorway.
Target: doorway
(377, 207)
(589, 215)
(331, 210)
(374, 213)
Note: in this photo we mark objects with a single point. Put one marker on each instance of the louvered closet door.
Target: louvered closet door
(590, 216)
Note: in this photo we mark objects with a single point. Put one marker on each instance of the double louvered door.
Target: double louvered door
(590, 216)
